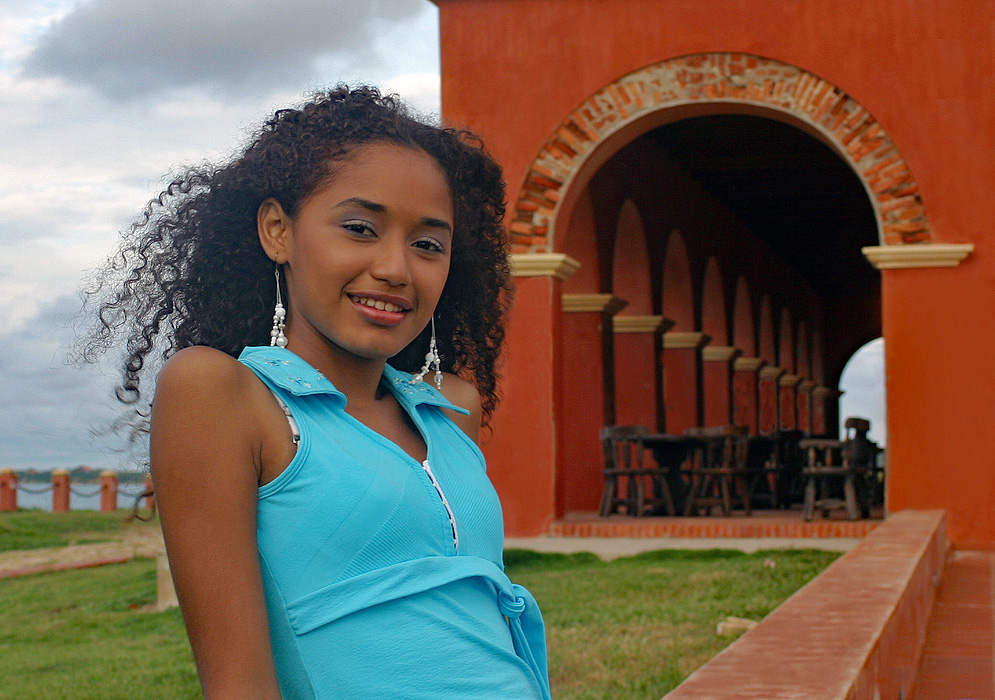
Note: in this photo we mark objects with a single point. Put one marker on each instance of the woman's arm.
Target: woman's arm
(205, 457)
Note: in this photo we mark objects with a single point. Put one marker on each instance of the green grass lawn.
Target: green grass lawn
(80, 635)
(30, 529)
(628, 629)
(636, 627)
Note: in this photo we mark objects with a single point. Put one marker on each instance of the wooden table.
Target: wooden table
(670, 453)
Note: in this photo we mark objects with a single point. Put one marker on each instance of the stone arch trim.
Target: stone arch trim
(730, 78)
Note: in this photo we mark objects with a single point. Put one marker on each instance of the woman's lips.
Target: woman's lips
(383, 310)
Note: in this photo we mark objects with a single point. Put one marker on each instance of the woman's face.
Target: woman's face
(367, 254)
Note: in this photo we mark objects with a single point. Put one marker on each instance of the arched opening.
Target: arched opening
(695, 197)
(713, 305)
(630, 262)
(863, 386)
(744, 331)
(677, 299)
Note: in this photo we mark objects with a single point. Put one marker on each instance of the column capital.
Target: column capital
(826, 392)
(601, 303)
(806, 385)
(719, 353)
(558, 265)
(889, 257)
(789, 380)
(639, 324)
(771, 372)
(684, 339)
(748, 364)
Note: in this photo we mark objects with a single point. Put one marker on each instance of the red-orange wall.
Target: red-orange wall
(513, 69)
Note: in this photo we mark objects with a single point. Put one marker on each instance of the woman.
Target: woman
(329, 524)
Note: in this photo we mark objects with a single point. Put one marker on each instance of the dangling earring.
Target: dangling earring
(276, 336)
(433, 361)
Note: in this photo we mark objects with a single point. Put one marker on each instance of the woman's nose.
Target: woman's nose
(390, 263)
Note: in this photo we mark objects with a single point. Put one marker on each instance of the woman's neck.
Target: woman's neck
(356, 377)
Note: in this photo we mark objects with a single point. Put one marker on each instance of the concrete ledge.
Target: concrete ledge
(854, 633)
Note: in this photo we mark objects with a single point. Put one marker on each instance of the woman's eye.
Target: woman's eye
(430, 245)
(360, 228)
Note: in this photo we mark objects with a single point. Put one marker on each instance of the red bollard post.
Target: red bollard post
(150, 499)
(8, 489)
(108, 491)
(60, 491)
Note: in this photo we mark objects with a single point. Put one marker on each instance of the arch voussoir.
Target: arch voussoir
(722, 77)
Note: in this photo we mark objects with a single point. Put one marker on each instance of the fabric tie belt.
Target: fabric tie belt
(337, 600)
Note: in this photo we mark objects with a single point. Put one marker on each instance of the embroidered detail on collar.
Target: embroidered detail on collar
(292, 373)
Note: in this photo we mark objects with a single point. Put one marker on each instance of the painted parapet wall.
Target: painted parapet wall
(855, 632)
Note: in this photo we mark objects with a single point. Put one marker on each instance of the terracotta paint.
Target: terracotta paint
(514, 71)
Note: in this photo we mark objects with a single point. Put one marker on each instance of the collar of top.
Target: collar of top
(290, 372)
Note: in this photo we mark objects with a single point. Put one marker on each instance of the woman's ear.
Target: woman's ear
(274, 228)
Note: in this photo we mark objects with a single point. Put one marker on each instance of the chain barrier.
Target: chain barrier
(85, 494)
(43, 489)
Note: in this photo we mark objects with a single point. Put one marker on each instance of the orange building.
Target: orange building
(713, 205)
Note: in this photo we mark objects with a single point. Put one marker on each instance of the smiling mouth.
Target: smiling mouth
(378, 304)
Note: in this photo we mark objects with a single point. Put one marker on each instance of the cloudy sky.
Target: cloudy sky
(99, 100)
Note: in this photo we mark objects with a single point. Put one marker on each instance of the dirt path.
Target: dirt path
(139, 540)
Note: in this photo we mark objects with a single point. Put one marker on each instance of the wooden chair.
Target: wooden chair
(831, 461)
(625, 464)
(776, 463)
(718, 470)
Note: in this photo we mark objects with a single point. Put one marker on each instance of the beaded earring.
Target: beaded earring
(276, 336)
(433, 361)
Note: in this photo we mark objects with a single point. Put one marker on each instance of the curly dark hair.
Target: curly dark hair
(191, 270)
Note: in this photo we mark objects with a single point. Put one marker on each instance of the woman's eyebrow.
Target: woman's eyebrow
(429, 221)
(437, 223)
(363, 203)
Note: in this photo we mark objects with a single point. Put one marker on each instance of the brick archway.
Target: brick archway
(721, 79)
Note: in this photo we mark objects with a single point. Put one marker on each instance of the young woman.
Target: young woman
(330, 527)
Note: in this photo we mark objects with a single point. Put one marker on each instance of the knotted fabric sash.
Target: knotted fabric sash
(417, 576)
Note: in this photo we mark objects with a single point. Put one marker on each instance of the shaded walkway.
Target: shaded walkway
(957, 660)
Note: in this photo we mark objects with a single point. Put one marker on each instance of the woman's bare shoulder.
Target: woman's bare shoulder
(205, 384)
(201, 367)
(205, 414)
(462, 393)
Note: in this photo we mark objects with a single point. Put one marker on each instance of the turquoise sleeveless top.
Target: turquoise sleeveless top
(384, 576)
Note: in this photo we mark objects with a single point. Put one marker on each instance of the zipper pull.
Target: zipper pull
(445, 502)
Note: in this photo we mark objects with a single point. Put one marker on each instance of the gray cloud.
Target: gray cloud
(53, 414)
(132, 48)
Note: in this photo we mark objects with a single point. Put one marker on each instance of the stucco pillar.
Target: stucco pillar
(804, 405)
(682, 379)
(60, 491)
(8, 489)
(108, 491)
(717, 370)
(638, 386)
(768, 389)
(821, 396)
(521, 444)
(587, 398)
(746, 395)
(149, 489)
(788, 401)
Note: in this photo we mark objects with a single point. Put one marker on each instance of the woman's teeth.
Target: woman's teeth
(377, 304)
